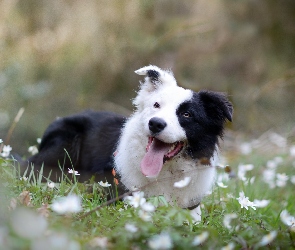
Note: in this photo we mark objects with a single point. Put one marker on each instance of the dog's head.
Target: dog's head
(177, 120)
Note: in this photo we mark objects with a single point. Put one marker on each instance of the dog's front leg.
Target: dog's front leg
(196, 214)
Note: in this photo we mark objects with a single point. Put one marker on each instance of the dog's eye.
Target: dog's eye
(156, 105)
(186, 114)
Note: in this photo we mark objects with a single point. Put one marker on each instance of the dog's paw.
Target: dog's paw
(196, 215)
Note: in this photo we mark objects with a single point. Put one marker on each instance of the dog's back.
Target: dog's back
(85, 141)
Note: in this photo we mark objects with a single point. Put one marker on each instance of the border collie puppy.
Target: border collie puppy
(172, 135)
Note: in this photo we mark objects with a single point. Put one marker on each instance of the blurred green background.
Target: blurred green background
(60, 57)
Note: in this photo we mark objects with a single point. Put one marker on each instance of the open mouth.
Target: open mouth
(157, 153)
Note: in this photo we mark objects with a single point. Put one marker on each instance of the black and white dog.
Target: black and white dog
(172, 135)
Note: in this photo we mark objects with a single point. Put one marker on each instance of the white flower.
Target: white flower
(72, 171)
(209, 192)
(182, 183)
(51, 184)
(148, 207)
(38, 140)
(220, 184)
(144, 215)
(133, 189)
(104, 184)
(246, 167)
(230, 196)
(246, 148)
(24, 178)
(68, 204)
(3, 236)
(230, 246)
(1, 141)
(268, 176)
(251, 181)
(200, 239)
(266, 239)
(282, 180)
(131, 228)
(278, 160)
(33, 150)
(161, 241)
(242, 169)
(261, 203)
(136, 199)
(244, 201)
(292, 179)
(228, 218)
(27, 223)
(292, 151)
(223, 177)
(271, 164)
(54, 240)
(220, 165)
(6, 151)
(101, 242)
(287, 219)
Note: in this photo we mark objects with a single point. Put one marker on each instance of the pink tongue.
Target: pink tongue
(152, 162)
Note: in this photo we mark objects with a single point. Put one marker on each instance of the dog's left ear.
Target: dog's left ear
(217, 104)
(155, 77)
(152, 73)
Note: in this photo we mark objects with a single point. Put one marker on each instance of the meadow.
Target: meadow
(60, 57)
(251, 207)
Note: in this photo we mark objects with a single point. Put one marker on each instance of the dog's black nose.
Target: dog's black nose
(156, 124)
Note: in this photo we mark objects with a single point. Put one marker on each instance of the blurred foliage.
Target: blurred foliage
(59, 57)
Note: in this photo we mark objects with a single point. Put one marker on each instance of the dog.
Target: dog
(172, 135)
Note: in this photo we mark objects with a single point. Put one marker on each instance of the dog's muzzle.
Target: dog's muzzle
(156, 125)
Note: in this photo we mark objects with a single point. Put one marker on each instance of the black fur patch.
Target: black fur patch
(203, 126)
(153, 74)
(84, 141)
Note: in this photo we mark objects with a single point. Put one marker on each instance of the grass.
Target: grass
(25, 207)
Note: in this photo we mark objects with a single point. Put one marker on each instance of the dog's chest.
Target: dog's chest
(201, 179)
(186, 194)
